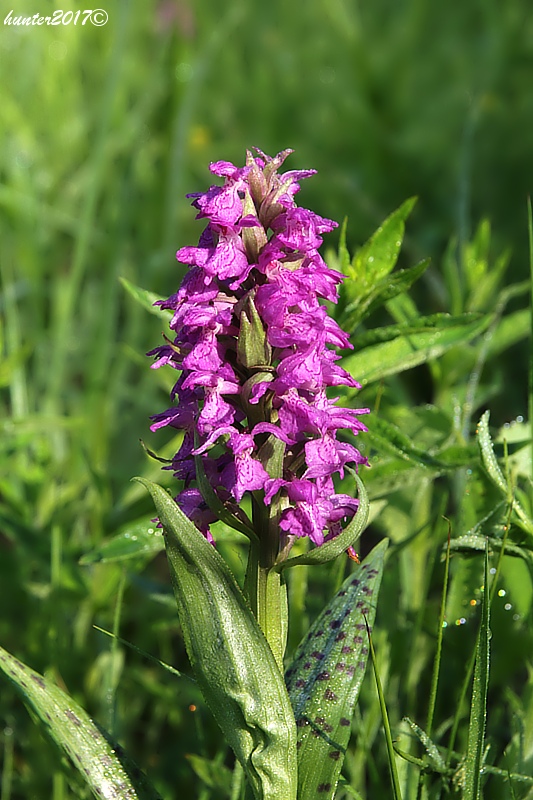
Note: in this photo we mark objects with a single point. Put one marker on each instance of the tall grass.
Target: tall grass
(105, 130)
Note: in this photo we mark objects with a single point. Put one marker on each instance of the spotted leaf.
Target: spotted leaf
(103, 765)
(326, 675)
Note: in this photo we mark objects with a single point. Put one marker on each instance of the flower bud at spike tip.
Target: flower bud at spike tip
(256, 351)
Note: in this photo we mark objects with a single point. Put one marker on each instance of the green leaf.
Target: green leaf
(349, 536)
(378, 256)
(511, 329)
(102, 764)
(428, 324)
(390, 438)
(380, 293)
(146, 299)
(408, 350)
(437, 761)
(496, 475)
(232, 661)
(391, 754)
(478, 709)
(137, 540)
(326, 675)
(214, 774)
(368, 284)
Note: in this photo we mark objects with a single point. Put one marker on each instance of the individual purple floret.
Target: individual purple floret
(256, 350)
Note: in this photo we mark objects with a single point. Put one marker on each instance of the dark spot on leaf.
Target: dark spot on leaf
(316, 734)
(298, 744)
(355, 582)
(38, 680)
(328, 612)
(364, 651)
(340, 636)
(345, 721)
(340, 666)
(307, 665)
(72, 717)
(320, 721)
(361, 665)
(341, 594)
(366, 590)
(329, 695)
(107, 760)
(360, 626)
(318, 633)
(347, 612)
(358, 639)
(335, 755)
(350, 669)
(335, 624)
(300, 683)
(302, 722)
(323, 676)
(347, 649)
(317, 654)
(323, 787)
(359, 604)
(365, 611)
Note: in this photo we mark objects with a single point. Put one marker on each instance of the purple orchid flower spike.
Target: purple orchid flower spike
(256, 349)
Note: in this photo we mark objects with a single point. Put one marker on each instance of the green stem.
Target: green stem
(264, 586)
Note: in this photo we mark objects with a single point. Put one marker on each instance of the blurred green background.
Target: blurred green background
(104, 130)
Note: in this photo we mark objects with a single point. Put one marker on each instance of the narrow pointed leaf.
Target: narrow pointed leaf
(390, 438)
(478, 708)
(408, 350)
(490, 463)
(145, 298)
(109, 773)
(380, 293)
(141, 539)
(378, 256)
(326, 675)
(231, 658)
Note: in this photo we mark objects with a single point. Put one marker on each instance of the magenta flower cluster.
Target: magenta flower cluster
(255, 347)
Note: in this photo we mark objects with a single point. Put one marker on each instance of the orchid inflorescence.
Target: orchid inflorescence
(256, 351)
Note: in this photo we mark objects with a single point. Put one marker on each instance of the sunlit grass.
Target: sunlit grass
(105, 130)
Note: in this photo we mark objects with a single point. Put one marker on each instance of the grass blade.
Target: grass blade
(396, 791)
(478, 711)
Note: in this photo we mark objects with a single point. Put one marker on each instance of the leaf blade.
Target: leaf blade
(478, 713)
(110, 775)
(232, 660)
(326, 675)
(408, 351)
